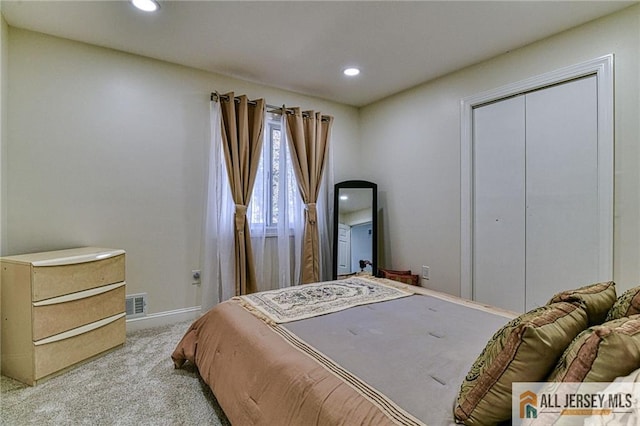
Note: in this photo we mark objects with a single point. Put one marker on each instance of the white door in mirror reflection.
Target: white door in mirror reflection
(344, 248)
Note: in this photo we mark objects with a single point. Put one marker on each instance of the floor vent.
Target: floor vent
(136, 305)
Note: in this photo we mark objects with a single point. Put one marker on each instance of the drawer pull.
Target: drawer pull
(80, 330)
(79, 295)
(81, 258)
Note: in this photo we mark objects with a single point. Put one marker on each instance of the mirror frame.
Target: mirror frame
(356, 184)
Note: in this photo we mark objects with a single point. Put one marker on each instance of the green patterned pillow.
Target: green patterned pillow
(524, 350)
(628, 304)
(601, 353)
(597, 298)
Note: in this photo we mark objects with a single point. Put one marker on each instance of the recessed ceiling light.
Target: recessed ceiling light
(146, 5)
(351, 72)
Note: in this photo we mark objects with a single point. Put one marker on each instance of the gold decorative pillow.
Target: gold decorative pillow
(597, 298)
(601, 353)
(628, 304)
(524, 350)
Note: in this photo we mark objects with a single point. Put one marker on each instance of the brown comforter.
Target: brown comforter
(260, 379)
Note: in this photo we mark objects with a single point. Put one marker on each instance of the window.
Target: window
(275, 174)
(275, 151)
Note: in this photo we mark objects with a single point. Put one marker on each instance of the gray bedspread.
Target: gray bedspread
(415, 350)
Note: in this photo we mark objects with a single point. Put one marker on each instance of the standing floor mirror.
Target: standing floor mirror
(355, 224)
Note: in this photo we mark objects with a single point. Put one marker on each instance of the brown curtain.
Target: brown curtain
(242, 129)
(308, 136)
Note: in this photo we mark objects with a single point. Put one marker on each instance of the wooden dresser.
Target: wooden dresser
(59, 308)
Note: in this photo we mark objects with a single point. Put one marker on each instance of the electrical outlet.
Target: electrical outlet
(195, 277)
(425, 272)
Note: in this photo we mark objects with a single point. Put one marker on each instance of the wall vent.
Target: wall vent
(136, 305)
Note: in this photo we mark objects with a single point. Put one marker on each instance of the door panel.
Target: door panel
(499, 202)
(344, 250)
(562, 225)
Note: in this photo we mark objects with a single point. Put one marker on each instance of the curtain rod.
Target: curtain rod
(272, 108)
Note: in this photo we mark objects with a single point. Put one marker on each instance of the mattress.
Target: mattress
(399, 361)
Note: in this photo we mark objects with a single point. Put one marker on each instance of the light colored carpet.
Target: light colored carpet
(134, 385)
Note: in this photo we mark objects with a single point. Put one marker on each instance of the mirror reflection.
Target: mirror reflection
(354, 234)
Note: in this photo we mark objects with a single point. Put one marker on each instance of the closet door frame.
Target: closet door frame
(602, 68)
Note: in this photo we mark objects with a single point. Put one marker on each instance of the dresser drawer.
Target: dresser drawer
(53, 316)
(52, 355)
(58, 280)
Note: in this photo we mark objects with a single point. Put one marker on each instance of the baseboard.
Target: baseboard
(163, 318)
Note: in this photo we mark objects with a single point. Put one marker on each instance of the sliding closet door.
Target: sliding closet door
(562, 223)
(499, 204)
(536, 208)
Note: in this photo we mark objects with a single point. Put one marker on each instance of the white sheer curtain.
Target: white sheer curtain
(217, 280)
(276, 213)
(291, 227)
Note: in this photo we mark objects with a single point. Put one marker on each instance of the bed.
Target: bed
(366, 351)
(398, 359)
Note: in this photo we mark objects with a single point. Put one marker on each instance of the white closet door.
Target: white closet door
(562, 223)
(499, 204)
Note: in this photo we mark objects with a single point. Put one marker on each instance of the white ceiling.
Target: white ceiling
(357, 199)
(303, 46)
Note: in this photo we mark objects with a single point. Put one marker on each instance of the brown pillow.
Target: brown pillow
(601, 353)
(524, 350)
(628, 304)
(598, 299)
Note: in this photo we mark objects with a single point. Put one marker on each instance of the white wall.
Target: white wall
(106, 148)
(414, 137)
(4, 55)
